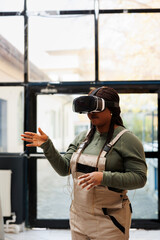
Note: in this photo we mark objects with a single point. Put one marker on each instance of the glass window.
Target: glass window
(139, 113)
(11, 119)
(61, 49)
(10, 5)
(11, 49)
(119, 4)
(129, 47)
(37, 5)
(3, 125)
(148, 195)
(58, 121)
(53, 192)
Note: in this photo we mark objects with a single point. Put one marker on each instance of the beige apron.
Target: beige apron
(98, 213)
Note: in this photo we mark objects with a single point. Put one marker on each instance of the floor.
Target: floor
(43, 234)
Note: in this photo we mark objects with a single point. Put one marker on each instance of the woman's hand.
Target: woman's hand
(90, 180)
(34, 139)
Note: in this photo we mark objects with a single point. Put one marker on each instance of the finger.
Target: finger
(26, 136)
(87, 184)
(83, 176)
(27, 139)
(40, 131)
(84, 185)
(90, 186)
(30, 133)
(30, 145)
(85, 180)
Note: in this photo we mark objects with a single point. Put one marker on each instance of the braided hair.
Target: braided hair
(108, 94)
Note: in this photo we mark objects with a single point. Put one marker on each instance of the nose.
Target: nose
(91, 114)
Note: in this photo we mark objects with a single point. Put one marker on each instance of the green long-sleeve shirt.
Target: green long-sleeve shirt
(125, 163)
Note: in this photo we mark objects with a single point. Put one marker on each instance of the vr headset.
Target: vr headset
(91, 103)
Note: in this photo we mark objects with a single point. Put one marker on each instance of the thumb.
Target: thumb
(40, 131)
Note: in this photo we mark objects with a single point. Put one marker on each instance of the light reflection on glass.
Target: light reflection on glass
(62, 48)
(129, 47)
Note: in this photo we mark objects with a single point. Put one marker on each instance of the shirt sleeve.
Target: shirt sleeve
(61, 163)
(135, 168)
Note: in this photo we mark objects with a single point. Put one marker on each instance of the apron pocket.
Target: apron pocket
(130, 205)
(114, 221)
(117, 224)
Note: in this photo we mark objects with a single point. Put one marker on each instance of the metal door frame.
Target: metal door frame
(72, 88)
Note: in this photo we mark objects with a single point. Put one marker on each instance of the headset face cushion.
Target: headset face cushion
(84, 104)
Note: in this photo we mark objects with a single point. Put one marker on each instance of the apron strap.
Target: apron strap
(79, 149)
(81, 146)
(108, 146)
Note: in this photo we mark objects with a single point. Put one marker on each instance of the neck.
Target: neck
(104, 129)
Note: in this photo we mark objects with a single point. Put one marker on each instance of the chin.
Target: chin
(95, 122)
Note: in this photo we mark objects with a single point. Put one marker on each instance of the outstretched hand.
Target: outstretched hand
(34, 139)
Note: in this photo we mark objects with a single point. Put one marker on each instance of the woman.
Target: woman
(104, 163)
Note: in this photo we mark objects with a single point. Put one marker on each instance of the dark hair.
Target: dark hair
(108, 94)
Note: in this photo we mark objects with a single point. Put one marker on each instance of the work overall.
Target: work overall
(98, 213)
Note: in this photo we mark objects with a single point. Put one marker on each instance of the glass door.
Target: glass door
(61, 124)
(51, 194)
